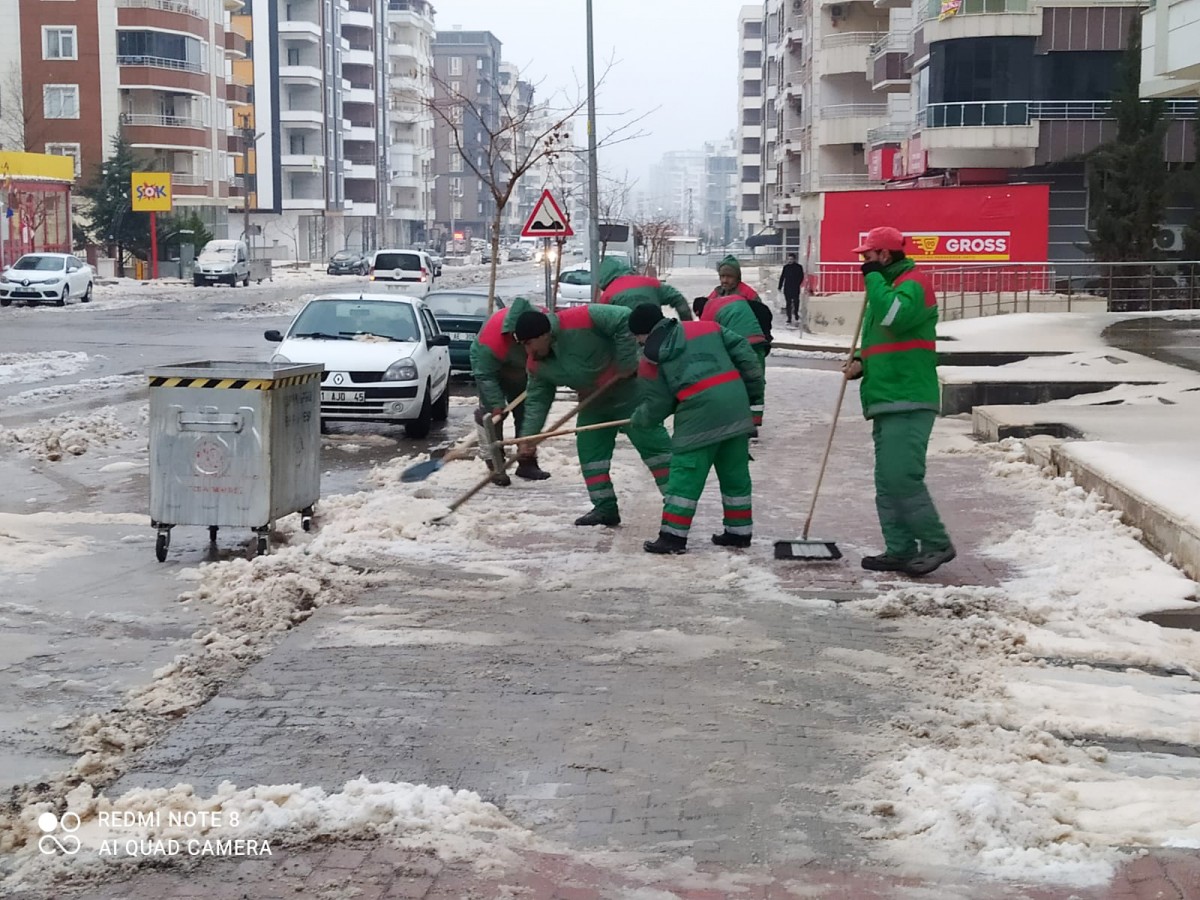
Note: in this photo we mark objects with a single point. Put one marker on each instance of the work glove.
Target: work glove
(869, 267)
(498, 413)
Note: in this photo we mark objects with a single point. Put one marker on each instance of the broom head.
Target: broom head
(809, 551)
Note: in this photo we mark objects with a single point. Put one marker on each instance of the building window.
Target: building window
(71, 150)
(752, 30)
(752, 116)
(752, 59)
(296, 144)
(456, 87)
(58, 42)
(60, 101)
(293, 58)
(752, 88)
(751, 173)
(751, 145)
(750, 203)
(456, 65)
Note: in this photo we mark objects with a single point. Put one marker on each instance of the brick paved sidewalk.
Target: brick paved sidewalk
(708, 720)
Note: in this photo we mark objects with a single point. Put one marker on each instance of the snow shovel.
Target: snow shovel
(804, 548)
(484, 482)
(615, 423)
(422, 470)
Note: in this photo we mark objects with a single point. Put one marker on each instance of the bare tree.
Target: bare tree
(514, 139)
(18, 113)
(657, 234)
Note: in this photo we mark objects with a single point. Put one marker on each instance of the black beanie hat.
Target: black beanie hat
(644, 317)
(532, 324)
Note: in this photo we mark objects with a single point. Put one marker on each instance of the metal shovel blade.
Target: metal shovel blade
(420, 471)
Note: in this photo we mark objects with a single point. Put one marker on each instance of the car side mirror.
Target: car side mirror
(273, 336)
(442, 340)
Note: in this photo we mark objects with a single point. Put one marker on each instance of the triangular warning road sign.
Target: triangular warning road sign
(547, 220)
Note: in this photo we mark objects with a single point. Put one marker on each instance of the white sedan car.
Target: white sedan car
(574, 287)
(46, 278)
(385, 358)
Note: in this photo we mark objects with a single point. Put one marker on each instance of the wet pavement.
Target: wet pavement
(1174, 341)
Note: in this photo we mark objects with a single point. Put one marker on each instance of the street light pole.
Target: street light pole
(593, 169)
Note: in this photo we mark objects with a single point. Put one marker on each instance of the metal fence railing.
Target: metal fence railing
(988, 288)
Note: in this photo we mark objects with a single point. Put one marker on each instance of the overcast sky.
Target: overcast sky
(674, 57)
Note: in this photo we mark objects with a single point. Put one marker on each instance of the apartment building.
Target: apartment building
(76, 74)
(410, 121)
(756, 120)
(1171, 49)
(521, 126)
(466, 64)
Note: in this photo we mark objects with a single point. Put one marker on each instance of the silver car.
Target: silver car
(47, 278)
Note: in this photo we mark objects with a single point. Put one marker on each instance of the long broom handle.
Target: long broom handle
(615, 423)
(464, 449)
(837, 411)
(485, 481)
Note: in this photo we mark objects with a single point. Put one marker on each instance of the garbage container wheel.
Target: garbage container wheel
(161, 543)
(212, 533)
(263, 544)
(306, 517)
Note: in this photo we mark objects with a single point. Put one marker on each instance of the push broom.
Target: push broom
(804, 547)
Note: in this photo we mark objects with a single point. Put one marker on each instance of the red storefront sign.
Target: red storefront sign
(916, 160)
(944, 225)
(880, 163)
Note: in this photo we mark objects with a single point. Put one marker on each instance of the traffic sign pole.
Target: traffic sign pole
(550, 298)
(153, 244)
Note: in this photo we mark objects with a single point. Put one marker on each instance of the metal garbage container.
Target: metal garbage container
(233, 444)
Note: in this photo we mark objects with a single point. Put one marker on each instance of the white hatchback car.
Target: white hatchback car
(408, 271)
(385, 358)
(47, 278)
(574, 287)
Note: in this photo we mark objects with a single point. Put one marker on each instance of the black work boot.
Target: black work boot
(597, 517)
(927, 561)
(666, 543)
(499, 479)
(886, 563)
(737, 541)
(530, 470)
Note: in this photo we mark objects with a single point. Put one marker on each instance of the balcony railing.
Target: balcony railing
(852, 110)
(933, 9)
(175, 6)
(162, 62)
(164, 121)
(850, 39)
(841, 182)
(187, 178)
(1003, 113)
(893, 42)
(892, 133)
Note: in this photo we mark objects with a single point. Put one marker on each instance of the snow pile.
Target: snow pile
(455, 824)
(63, 393)
(27, 368)
(67, 435)
(268, 308)
(999, 765)
(36, 540)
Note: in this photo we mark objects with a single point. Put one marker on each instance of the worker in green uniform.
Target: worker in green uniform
(729, 306)
(897, 363)
(498, 367)
(589, 348)
(621, 287)
(708, 378)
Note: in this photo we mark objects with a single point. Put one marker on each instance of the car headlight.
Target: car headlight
(280, 358)
(401, 370)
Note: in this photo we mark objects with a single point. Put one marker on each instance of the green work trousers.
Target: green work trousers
(907, 516)
(689, 471)
(595, 448)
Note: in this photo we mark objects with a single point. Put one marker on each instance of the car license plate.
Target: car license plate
(462, 336)
(343, 396)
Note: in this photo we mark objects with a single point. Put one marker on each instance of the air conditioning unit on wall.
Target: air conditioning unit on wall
(1169, 238)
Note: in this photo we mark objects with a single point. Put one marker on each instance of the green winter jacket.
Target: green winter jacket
(498, 361)
(591, 346)
(899, 342)
(705, 375)
(621, 287)
(731, 309)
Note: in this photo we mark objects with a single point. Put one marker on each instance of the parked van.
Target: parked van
(222, 261)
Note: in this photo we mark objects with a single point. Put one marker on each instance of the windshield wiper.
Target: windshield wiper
(321, 334)
(386, 337)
